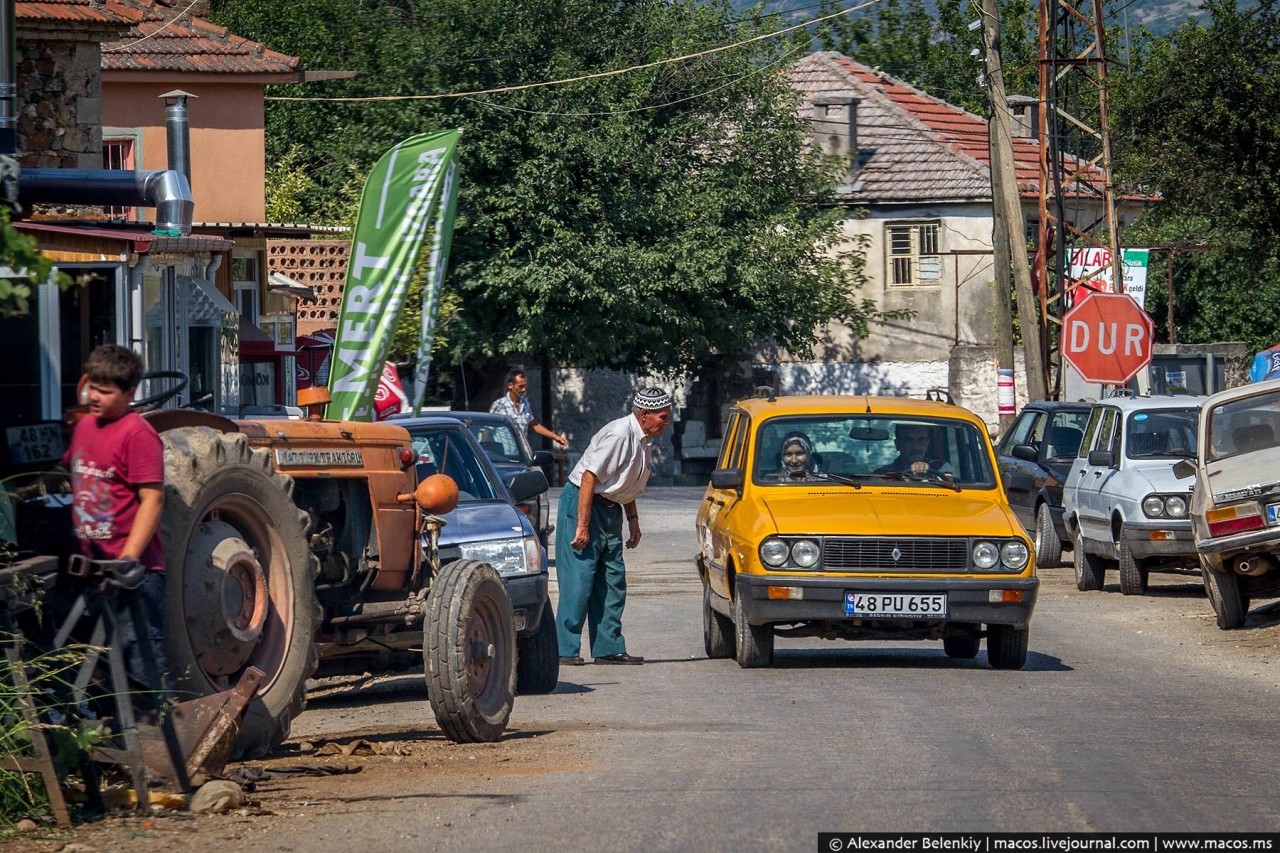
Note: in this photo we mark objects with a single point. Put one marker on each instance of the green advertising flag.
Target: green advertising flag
(437, 261)
(401, 194)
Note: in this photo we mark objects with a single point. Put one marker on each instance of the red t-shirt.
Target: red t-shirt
(108, 461)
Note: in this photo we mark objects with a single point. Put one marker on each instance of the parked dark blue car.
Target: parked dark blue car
(1035, 456)
(508, 449)
(486, 526)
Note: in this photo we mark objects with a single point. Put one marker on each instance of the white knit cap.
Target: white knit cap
(652, 399)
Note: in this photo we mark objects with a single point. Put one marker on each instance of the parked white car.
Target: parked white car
(1122, 504)
(1235, 508)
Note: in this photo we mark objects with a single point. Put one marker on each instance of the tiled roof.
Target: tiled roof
(65, 11)
(913, 146)
(164, 37)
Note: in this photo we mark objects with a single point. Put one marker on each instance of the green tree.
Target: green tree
(658, 219)
(22, 267)
(1198, 122)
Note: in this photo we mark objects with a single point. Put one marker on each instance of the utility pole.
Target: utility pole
(1007, 207)
(1004, 283)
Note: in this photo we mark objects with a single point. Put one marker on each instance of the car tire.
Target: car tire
(1007, 646)
(1133, 577)
(538, 657)
(717, 630)
(1091, 572)
(1048, 545)
(754, 643)
(1229, 604)
(961, 646)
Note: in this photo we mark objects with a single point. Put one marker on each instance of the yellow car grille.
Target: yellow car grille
(886, 554)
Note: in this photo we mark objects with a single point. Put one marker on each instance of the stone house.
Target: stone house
(92, 79)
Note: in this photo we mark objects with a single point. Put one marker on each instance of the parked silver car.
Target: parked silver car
(1122, 504)
(1235, 506)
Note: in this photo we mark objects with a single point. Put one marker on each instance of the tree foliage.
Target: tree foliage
(1198, 122)
(650, 220)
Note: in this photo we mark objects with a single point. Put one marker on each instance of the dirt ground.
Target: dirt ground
(369, 763)
(312, 776)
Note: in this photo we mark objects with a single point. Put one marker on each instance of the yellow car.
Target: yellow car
(861, 518)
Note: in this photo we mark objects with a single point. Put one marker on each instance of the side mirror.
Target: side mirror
(727, 478)
(1102, 459)
(1025, 452)
(524, 485)
(1184, 468)
(542, 459)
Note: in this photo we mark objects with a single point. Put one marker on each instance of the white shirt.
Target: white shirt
(620, 456)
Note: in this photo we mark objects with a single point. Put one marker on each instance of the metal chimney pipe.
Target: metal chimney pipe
(177, 126)
(167, 191)
(8, 78)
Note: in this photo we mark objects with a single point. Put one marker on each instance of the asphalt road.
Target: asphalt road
(1133, 714)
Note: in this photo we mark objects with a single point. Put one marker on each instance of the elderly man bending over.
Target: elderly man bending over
(603, 488)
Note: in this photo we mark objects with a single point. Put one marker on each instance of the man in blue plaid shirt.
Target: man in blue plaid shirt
(515, 405)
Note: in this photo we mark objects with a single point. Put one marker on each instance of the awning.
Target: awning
(281, 283)
(256, 343)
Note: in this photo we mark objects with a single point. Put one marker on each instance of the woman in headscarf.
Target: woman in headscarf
(797, 458)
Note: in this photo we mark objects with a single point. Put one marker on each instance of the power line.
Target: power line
(581, 78)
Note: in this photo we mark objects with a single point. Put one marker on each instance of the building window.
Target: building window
(244, 277)
(913, 255)
(119, 153)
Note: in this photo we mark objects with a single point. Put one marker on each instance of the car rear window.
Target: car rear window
(1162, 434)
(498, 440)
(1244, 426)
(871, 446)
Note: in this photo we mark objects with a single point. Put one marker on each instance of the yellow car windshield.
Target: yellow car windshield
(872, 449)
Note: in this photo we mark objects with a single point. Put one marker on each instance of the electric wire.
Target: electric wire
(580, 78)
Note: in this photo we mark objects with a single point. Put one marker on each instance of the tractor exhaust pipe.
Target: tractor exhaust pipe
(1255, 565)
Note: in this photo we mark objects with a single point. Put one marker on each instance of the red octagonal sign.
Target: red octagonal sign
(1107, 338)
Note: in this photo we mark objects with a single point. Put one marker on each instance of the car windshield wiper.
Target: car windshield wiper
(837, 478)
(931, 479)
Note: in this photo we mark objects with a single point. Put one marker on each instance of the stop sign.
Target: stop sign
(1107, 338)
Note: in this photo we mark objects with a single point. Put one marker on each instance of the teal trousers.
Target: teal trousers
(593, 581)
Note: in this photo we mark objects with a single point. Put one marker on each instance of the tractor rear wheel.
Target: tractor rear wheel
(240, 588)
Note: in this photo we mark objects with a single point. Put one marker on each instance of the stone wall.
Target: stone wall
(59, 104)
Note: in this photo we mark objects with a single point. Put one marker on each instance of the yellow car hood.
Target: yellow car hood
(924, 511)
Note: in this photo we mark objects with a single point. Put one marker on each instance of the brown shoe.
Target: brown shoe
(574, 661)
(621, 658)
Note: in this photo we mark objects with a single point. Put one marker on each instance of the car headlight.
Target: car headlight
(1176, 506)
(507, 556)
(1153, 506)
(774, 552)
(985, 555)
(805, 553)
(1014, 554)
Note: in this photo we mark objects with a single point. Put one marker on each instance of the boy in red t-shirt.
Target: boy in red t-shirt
(117, 479)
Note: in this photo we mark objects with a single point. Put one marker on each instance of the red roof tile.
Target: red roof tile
(66, 11)
(165, 38)
(926, 147)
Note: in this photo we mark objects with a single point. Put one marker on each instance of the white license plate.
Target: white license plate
(1273, 514)
(35, 443)
(896, 605)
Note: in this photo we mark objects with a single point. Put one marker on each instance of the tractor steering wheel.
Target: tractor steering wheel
(180, 382)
